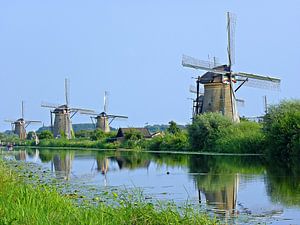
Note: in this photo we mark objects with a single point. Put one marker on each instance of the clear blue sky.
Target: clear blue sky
(133, 50)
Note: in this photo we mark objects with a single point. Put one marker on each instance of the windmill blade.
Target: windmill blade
(188, 61)
(89, 113)
(259, 81)
(33, 121)
(258, 77)
(49, 105)
(67, 91)
(117, 116)
(240, 102)
(231, 22)
(22, 109)
(105, 101)
(81, 110)
(9, 121)
(193, 90)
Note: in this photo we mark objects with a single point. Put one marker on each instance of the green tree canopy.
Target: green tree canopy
(282, 128)
(46, 134)
(173, 128)
(205, 130)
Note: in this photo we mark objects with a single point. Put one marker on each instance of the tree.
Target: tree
(282, 128)
(173, 128)
(133, 134)
(98, 134)
(46, 134)
(205, 130)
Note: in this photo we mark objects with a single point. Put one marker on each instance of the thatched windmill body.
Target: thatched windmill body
(19, 126)
(103, 120)
(63, 115)
(219, 80)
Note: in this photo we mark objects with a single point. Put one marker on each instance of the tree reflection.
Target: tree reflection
(283, 180)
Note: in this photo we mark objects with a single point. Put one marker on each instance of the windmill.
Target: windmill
(103, 120)
(63, 115)
(19, 126)
(219, 80)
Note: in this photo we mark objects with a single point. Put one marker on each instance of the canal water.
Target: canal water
(238, 189)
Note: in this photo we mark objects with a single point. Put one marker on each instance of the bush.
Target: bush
(282, 128)
(173, 128)
(243, 137)
(133, 135)
(206, 129)
(46, 134)
(98, 134)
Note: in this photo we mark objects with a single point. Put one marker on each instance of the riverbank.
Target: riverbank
(23, 203)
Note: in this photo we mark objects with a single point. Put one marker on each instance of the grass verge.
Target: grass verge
(21, 203)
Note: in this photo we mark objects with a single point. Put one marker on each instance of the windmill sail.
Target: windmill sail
(67, 91)
(188, 61)
(259, 81)
(231, 21)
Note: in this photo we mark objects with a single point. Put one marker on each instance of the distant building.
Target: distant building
(122, 132)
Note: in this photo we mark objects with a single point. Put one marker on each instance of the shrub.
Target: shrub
(282, 128)
(173, 128)
(243, 137)
(133, 134)
(46, 134)
(206, 129)
(98, 134)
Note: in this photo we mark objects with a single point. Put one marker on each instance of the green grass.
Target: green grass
(21, 203)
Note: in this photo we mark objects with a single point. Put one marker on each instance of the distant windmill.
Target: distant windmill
(63, 115)
(102, 119)
(219, 95)
(19, 126)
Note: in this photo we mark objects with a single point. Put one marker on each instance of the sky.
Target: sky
(133, 50)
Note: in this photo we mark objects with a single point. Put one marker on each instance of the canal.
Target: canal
(241, 189)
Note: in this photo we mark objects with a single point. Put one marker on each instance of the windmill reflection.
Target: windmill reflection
(62, 165)
(220, 192)
(21, 155)
(217, 183)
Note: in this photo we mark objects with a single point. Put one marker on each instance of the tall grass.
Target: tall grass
(21, 203)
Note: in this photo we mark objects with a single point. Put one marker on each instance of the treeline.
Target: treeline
(277, 134)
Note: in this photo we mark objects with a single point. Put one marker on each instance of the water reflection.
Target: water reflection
(226, 184)
(62, 165)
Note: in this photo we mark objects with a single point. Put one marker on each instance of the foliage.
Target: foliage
(31, 135)
(169, 142)
(173, 128)
(133, 135)
(282, 128)
(243, 137)
(46, 134)
(83, 134)
(206, 129)
(97, 134)
(78, 143)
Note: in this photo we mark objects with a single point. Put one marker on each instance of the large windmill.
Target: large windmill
(103, 120)
(219, 80)
(63, 115)
(19, 126)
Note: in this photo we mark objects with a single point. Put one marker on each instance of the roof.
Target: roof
(145, 132)
(211, 77)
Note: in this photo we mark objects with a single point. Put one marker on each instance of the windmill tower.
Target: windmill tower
(63, 115)
(103, 120)
(219, 80)
(19, 126)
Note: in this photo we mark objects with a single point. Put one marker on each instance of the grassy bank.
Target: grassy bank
(21, 203)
